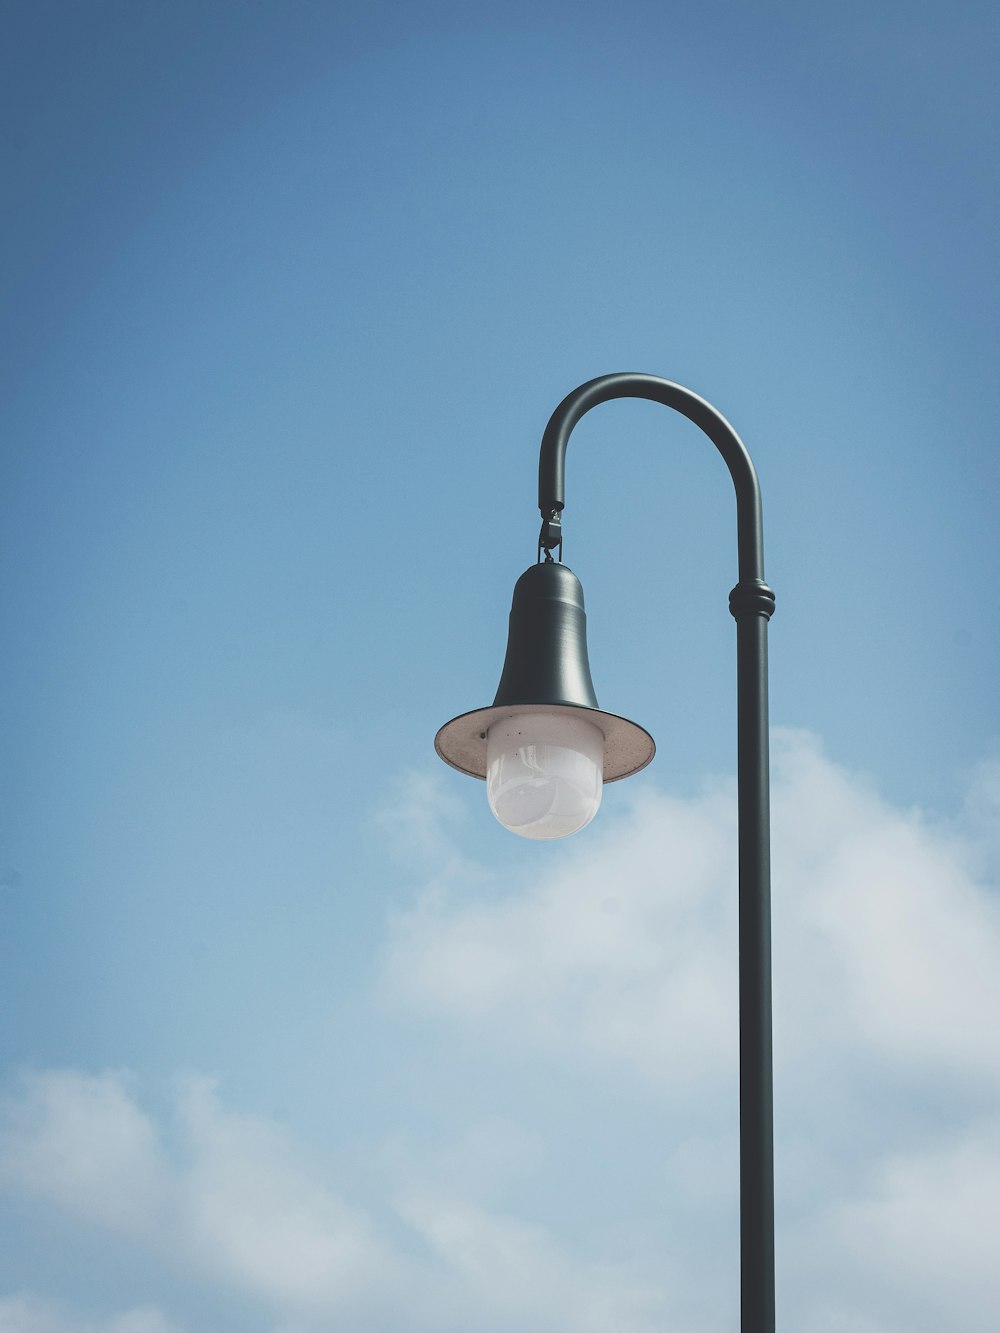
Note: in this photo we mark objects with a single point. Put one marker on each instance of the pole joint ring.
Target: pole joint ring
(752, 598)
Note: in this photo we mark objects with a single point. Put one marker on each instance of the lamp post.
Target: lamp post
(546, 749)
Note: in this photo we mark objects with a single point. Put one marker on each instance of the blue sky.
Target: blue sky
(296, 1037)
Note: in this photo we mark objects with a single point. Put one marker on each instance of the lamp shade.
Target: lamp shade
(546, 670)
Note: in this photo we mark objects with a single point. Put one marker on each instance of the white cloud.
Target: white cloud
(509, 1274)
(617, 969)
(232, 1202)
(417, 815)
(625, 949)
(887, 1015)
(886, 941)
(914, 1247)
(259, 1219)
(80, 1141)
(618, 952)
(25, 1313)
(929, 1226)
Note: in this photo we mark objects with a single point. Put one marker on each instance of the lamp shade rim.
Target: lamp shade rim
(462, 741)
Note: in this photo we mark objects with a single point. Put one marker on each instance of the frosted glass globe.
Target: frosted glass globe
(544, 773)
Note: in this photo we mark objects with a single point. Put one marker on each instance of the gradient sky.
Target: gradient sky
(296, 1039)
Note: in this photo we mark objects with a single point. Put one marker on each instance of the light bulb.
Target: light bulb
(544, 773)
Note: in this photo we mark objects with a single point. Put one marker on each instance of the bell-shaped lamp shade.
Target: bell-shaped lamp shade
(544, 773)
(544, 747)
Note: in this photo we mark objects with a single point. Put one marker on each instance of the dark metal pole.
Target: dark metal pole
(751, 603)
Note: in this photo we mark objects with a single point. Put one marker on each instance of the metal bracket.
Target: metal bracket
(550, 537)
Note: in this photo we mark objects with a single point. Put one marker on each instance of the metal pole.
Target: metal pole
(751, 603)
(751, 610)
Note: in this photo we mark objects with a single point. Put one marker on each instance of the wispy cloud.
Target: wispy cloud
(618, 966)
(887, 1013)
(81, 1142)
(507, 1273)
(233, 1201)
(234, 1204)
(885, 939)
(24, 1313)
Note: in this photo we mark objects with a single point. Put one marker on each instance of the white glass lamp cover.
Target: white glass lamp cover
(544, 773)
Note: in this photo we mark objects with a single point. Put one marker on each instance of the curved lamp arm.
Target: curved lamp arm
(751, 603)
(552, 457)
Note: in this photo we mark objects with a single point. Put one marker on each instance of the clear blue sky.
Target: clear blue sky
(295, 1037)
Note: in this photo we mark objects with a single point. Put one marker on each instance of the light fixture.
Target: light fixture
(544, 747)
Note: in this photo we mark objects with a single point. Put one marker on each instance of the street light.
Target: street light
(545, 749)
